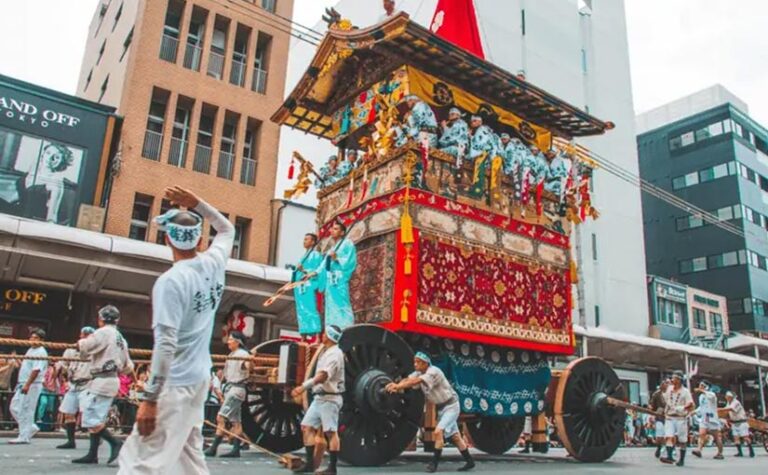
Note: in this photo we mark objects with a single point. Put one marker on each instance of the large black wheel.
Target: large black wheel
(375, 426)
(270, 418)
(590, 429)
(495, 435)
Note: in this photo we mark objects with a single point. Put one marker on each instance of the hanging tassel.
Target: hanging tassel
(406, 227)
(350, 192)
(574, 272)
(539, 202)
(364, 186)
(408, 265)
(372, 112)
(291, 170)
(404, 306)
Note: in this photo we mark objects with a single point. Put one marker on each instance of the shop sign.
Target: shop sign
(27, 302)
(23, 111)
(671, 293)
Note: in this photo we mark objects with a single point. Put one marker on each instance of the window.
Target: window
(260, 66)
(88, 79)
(203, 150)
(216, 56)
(226, 164)
(103, 89)
(117, 16)
(241, 230)
(212, 232)
(165, 205)
(127, 44)
(717, 323)
(738, 129)
(102, 13)
(594, 247)
(269, 5)
(597, 315)
(142, 208)
(687, 138)
(685, 181)
(248, 167)
(153, 136)
(699, 319)
(675, 142)
(669, 312)
(101, 51)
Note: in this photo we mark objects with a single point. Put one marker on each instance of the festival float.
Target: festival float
(456, 257)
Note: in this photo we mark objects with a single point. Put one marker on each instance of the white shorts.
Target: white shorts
(527, 426)
(95, 408)
(70, 403)
(323, 414)
(176, 445)
(447, 419)
(740, 429)
(659, 429)
(676, 428)
(231, 409)
(710, 424)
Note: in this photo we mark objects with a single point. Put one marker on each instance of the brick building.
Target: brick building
(196, 82)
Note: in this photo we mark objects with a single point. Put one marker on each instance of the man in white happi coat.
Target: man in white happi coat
(709, 422)
(739, 424)
(27, 393)
(107, 351)
(167, 438)
(679, 405)
(78, 374)
(438, 390)
(236, 373)
(321, 420)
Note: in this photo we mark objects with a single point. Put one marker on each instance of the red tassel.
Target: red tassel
(539, 203)
(350, 193)
(291, 170)
(424, 162)
(372, 112)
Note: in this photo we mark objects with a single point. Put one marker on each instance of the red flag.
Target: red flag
(456, 21)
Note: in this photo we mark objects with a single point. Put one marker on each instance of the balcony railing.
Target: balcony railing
(177, 155)
(237, 75)
(202, 159)
(153, 142)
(192, 57)
(226, 165)
(248, 172)
(215, 64)
(259, 81)
(168, 48)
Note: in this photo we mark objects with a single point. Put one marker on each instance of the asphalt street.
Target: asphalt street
(42, 457)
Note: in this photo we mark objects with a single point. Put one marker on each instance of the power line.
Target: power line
(313, 37)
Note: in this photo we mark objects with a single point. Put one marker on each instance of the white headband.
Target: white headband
(182, 237)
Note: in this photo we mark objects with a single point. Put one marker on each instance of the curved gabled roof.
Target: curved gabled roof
(348, 62)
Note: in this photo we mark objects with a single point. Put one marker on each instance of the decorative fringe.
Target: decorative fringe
(364, 186)
(350, 192)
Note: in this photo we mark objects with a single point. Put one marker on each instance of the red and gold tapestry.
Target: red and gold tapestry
(372, 283)
(473, 289)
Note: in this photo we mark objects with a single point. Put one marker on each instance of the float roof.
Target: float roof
(334, 78)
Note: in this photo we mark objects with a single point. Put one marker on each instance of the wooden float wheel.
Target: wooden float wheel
(375, 426)
(590, 429)
(495, 435)
(270, 418)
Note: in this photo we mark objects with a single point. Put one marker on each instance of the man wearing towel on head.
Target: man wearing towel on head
(167, 437)
(439, 392)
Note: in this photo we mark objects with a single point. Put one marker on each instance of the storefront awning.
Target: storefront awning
(41, 254)
(646, 353)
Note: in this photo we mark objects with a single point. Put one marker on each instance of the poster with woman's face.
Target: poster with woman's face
(39, 178)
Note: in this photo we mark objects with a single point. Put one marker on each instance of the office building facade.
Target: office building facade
(710, 153)
(196, 82)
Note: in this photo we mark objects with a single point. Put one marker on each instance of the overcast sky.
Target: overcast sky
(676, 46)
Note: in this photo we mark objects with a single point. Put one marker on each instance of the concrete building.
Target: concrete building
(685, 314)
(706, 150)
(196, 81)
(577, 51)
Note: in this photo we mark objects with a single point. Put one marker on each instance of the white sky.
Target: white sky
(677, 47)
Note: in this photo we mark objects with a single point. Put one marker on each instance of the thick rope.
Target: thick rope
(264, 360)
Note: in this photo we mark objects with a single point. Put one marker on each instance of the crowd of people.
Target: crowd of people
(474, 142)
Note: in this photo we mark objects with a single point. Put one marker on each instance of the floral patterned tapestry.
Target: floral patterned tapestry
(473, 288)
